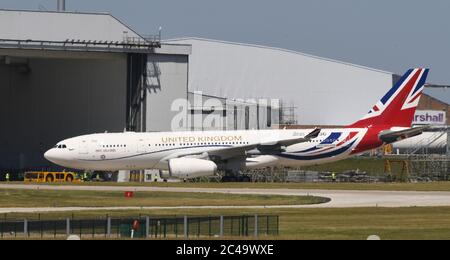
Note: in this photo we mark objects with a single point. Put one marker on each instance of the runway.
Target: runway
(339, 198)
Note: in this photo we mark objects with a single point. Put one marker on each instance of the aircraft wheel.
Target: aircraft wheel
(69, 178)
(229, 179)
(49, 178)
(246, 179)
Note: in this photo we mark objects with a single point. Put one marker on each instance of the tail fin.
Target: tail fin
(398, 106)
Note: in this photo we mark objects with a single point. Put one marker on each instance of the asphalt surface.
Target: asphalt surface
(339, 198)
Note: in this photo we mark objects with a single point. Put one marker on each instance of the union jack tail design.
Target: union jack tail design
(397, 107)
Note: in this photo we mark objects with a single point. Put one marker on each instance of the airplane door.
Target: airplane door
(141, 146)
(84, 147)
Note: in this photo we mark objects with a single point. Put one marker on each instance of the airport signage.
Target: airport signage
(430, 117)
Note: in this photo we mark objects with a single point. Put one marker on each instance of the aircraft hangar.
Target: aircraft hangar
(64, 74)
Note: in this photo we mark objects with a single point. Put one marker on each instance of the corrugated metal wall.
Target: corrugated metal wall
(326, 92)
(167, 82)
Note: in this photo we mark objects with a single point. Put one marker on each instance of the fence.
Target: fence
(143, 227)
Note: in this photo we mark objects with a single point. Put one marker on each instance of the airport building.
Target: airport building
(64, 74)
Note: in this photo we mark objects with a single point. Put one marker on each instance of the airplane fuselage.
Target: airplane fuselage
(138, 151)
(197, 154)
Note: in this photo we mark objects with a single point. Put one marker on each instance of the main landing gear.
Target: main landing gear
(235, 177)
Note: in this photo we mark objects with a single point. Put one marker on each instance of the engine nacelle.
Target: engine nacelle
(189, 168)
(261, 161)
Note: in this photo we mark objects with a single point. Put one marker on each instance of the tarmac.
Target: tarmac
(339, 198)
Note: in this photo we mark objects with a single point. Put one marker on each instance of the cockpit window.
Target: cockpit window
(60, 146)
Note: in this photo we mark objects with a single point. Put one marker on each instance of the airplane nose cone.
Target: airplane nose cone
(50, 155)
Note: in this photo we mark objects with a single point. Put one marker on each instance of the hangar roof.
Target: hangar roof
(49, 30)
(61, 26)
(442, 94)
(191, 40)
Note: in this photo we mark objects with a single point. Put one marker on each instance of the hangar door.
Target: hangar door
(46, 97)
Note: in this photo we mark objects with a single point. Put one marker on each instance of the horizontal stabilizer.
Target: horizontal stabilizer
(395, 136)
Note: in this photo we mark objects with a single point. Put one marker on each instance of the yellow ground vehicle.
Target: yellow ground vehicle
(50, 177)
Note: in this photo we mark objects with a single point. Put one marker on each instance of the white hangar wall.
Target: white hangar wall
(167, 82)
(325, 92)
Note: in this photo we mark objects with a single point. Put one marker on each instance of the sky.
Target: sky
(383, 34)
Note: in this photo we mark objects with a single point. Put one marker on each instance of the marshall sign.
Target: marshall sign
(430, 117)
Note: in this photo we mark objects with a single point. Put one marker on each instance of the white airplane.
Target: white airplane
(195, 154)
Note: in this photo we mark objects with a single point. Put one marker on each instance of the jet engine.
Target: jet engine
(261, 161)
(189, 168)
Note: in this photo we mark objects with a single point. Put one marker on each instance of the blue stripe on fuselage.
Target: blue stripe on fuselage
(319, 156)
(329, 140)
(308, 150)
(332, 138)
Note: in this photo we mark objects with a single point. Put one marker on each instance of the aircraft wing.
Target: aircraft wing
(287, 142)
(230, 152)
(395, 136)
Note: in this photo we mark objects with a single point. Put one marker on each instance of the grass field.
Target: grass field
(397, 223)
(359, 223)
(346, 223)
(43, 198)
(426, 186)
